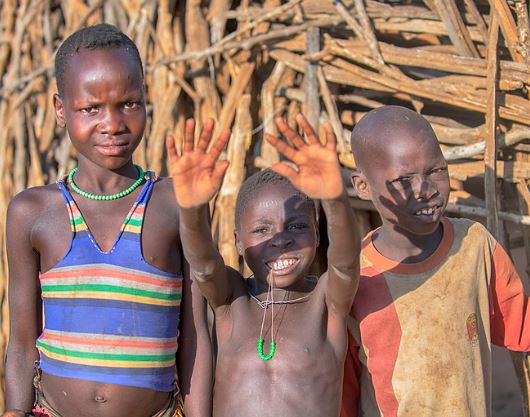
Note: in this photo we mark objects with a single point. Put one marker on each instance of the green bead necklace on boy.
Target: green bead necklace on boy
(121, 194)
(265, 305)
(272, 346)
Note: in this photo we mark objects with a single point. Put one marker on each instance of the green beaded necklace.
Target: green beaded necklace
(272, 346)
(86, 194)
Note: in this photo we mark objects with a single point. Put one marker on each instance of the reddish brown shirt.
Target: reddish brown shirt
(420, 333)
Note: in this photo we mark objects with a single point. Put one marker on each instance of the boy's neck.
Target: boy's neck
(403, 247)
(303, 286)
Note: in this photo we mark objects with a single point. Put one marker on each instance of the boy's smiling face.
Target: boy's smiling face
(103, 105)
(407, 181)
(278, 234)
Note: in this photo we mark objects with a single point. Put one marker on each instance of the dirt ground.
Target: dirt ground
(506, 392)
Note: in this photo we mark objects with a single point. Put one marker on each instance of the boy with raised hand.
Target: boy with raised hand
(434, 292)
(100, 253)
(281, 333)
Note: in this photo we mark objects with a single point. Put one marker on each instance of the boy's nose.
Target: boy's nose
(423, 189)
(111, 123)
(281, 240)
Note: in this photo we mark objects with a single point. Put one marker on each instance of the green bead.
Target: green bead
(272, 350)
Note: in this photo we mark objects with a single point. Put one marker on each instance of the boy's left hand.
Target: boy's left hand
(317, 172)
(197, 173)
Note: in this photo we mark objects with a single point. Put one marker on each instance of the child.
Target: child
(434, 292)
(110, 288)
(281, 333)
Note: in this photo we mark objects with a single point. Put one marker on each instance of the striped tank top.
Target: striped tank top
(110, 317)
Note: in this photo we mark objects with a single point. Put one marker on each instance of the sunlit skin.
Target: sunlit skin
(103, 109)
(407, 182)
(278, 237)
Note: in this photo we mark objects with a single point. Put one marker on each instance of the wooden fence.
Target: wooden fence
(463, 64)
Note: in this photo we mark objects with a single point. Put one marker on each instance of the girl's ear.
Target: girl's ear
(360, 185)
(59, 111)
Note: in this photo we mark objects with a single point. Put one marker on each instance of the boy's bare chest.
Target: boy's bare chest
(297, 330)
(304, 364)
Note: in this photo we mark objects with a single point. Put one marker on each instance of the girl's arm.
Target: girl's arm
(25, 307)
(195, 359)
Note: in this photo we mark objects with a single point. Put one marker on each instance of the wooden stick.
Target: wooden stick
(226, 202)
(268, 152)
(508, 27)
(490, 151)
(311, 105)
(456, 28)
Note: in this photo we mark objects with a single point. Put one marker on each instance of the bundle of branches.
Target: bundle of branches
(464, 65)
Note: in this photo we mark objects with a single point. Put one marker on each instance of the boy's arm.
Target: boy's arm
(509, 312)
(25, 318)
(197, 175)
(318, 175)
(195, 358)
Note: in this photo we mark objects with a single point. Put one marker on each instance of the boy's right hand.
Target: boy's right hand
(197, 174)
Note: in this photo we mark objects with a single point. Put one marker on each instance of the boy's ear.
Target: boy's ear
(59, 111)
(238, 243)
(360, 185)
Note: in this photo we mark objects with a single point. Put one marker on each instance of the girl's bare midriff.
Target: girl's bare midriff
(74, 397)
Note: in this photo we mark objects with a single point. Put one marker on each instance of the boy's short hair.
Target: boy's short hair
(256, 182)
(102, 36)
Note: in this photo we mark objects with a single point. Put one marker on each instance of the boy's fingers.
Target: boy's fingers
(291, 135)
(281, 146)
(219, 144)
(189, 130)
(206, 135)
(312, 137)
(171, 151)
(287, 171)
(219, 171)
(331, 139)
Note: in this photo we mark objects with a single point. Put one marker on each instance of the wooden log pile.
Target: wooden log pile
(463, 64)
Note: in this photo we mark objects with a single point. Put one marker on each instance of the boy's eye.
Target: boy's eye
(438, 170)
(131, 105)
(297, 226)
(259, 230)
(402, 180)
(89, 110)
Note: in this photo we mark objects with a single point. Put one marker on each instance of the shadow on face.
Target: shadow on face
(278, 235)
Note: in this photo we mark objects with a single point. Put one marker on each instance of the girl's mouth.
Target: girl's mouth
(112, 150)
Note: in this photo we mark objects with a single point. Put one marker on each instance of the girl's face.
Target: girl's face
(103, 105)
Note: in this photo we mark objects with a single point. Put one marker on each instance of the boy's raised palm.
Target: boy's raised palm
(317, 172)
(197, 174)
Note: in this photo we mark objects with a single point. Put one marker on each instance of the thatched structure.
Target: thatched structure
(463, 64)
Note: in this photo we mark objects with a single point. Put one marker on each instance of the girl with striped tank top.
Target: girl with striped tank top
(96, 271)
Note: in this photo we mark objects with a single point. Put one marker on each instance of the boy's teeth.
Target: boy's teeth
(282, 264)
(426, 211)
